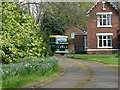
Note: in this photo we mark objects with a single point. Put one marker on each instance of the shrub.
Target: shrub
(70, 40)
(20, 37)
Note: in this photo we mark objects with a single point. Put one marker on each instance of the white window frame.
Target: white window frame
(86, 45)
(104, 13)
(104, 34)
(73, 36)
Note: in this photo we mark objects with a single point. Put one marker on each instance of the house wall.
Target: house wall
(119, 39)
(93, 29)
(79, 44)
(73, 29)
(71, 47)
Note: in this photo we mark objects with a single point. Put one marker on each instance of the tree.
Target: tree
(59, 16)
(20, 37)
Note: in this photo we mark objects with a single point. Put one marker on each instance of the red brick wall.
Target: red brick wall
(93, 29)
(79, 44)
(73, 29)
(71, 47)
(101, 52)
(119, 39)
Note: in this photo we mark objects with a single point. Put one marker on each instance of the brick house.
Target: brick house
(81, 43)
(103, 26)
(71, 32)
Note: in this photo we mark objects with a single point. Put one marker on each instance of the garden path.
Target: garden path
(83, 74)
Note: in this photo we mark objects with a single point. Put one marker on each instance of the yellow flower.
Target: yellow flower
(7, 72)
(48, 64)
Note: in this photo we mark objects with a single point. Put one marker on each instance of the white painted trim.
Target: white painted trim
(73, 34)
(102, 49)
(103, 1)
(85, 42)
(98, 2)
(105, 26)
(104, 5)
(93, 6)
(105, 40)
(114, 6)
(107, 20)
(103, 13)
(98, 34)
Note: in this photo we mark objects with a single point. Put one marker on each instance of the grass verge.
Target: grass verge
(27, 71)
(110, 60)
(17, 81)
(106, 59)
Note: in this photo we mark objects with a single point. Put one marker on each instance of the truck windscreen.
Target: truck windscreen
(61, 40)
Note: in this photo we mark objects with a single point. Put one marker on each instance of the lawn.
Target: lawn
(106, 59)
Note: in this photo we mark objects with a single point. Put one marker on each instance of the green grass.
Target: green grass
(20, 80)
(106, 59)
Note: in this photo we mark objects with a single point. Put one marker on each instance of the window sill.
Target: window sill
(104, 47)
(105, 26)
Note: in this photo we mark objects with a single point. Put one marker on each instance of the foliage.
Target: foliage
(28, 66)
(21, 80)
(20, 36)
(106, 59)
(70, 40)
(52, 24)
(57, 17)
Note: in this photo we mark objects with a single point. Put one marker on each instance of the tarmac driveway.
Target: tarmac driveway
(83, 74)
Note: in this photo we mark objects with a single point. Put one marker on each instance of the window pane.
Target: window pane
(100, 16)
(100, 21)
(104, 21)
(108, 19)
(108, 16)
(104, 16)
(109, 43)
(100, 37)
(104, 43)
(100, 43)
(109, 37)
(73, 34)
(104, 37)
(108, 22)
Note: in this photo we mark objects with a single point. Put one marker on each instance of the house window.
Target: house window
(105, 41)
(86, 46)
(73, 34)
(104, 20)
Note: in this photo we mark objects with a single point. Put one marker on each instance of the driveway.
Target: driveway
(83, 74)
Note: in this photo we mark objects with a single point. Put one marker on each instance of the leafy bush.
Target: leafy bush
(20, 36)
(29, 66)
(70, 40)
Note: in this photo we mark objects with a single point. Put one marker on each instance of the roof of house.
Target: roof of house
(84, 28)
(113, 3)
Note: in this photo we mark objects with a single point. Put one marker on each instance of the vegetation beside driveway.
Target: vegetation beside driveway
(111, 59)
(106, 59)
(28, 70)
